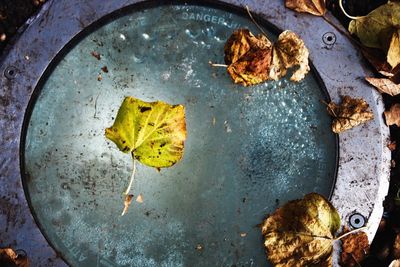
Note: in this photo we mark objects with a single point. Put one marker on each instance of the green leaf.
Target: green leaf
(154, 132)
(301, 233)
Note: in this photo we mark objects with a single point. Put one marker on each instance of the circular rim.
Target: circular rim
(364, 159)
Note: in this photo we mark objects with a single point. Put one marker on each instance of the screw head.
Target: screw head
(329, 38)
(356, 220)
(10, 72)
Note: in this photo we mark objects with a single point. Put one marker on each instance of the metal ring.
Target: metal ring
(357, 220)
(329, 38)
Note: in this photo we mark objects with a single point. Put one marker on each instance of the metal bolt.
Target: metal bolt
(10, 72)
(329, 38)
(357, 220)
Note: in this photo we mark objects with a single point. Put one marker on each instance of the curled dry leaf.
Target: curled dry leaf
(354, 249)
(289, 51)
(392, 116)
(254, 59)
(315, 7)
(127, 203)
(153, 132)
(139, 198)
(379, 29)
(350, 113)
(385, 85)
(301, 233)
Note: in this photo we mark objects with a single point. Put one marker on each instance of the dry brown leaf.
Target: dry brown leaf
(8, 257)
(393, 55)
(315, 7)
(385, 85)
(377, 59)
(127, 203)
(253, 59)
(289, 51)
(354, 249)
(301, 233)
(392, 115)
(350, 113)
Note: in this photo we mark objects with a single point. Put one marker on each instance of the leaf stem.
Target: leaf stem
(345, 13)
(254, 21)
(351, 232)
(217, 65)
(132, 176)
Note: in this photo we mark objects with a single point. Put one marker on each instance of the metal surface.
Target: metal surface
(247, 148)
(364, 158)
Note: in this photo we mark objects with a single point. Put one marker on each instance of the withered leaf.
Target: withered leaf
(8, 257)
(254, 59)
(379, 29)
(375, 29)
(289, 51)
(315, 7)
(385, 85)
(354, 249)
(301, 232)
(393, 55)
(350, 113)
(392, 116)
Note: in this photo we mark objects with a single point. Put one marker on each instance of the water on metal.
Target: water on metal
(248, 149)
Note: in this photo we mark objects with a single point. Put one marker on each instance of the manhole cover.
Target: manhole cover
(248, 149)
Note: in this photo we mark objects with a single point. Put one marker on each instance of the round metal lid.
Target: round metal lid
(363, 157)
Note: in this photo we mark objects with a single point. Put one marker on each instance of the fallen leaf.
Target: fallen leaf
(385, 85)
(354, 249)
(8, 257)
(350, 113)
(153, 132)
(393, 55)
(127, 203)
(380, 29)
(377, 58)
(301, 233)
(289, 51)
(243, 234)
(104, 69)
(376, 28)
(139, 198)
(315, 7)
(395, 263)
(253, 59)
(392, 116)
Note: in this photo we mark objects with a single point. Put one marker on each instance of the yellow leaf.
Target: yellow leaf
(350, 113)
(153, 132)
(315, 7)
(301, 233)
(393, 55)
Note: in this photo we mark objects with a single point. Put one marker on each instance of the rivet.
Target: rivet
(356, 220)
(10, 72)
(329, 38)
